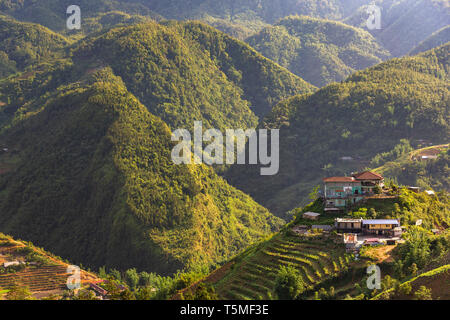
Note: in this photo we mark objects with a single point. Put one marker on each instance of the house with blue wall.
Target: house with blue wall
(340, 192)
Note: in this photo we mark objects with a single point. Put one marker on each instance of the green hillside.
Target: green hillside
(238, 17)
(52, 13)
(93, 180)
(192, 71)
(431, 174)
(319, 51)
(25, 44)
(40, 274)
(327, 271)
(180, 71)
(367, 114)
(437, 39)
(252, 275)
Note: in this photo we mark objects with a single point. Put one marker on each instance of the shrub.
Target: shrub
(423, 293)
(289, 283)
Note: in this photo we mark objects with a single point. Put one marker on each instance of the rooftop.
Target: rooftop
(348, 220)
(368, 175)
(312, 214)
(339, 179)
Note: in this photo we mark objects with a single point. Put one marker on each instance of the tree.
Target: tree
(132, 278)
(405, 289)
(413, 270)
(289, 283)
(423, 293)
(313, 195)
(19, 293)
(205, 292)
(85, 295)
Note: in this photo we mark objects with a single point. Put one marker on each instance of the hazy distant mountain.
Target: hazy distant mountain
(405, 23)
(320, 51)
(437, 39)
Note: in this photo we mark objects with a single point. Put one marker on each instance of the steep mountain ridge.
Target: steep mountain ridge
(94, 181)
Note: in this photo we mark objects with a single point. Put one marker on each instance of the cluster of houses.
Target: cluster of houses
(339, 192)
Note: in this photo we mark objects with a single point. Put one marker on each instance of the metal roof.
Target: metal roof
(313, 214)
(381, 221)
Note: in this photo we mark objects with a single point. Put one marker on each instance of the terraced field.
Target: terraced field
(44, 278)
(40, 271)
(254, 277)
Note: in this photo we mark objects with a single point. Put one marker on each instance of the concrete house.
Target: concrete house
(386, 227)
(342, 191)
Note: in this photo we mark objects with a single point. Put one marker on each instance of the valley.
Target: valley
(116, 140)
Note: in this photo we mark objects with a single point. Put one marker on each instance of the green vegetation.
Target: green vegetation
(288, 283)
(190, 71)
(25, 44)
(319, 51)
(409, 207)
(427, 174)
(255, 273)
(52, 13)
(102, 145)
(369, 113)
(19, 292)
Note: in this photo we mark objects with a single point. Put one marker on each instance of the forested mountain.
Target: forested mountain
(52, 13)
(24, 44)
(405, 23)
(367, 114)
(320, 51)
(180, 71)
(192, 71)
(87, 171)
(437, 39)
(91, 178)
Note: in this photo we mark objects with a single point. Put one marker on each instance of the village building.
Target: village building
(386, 227)
(311, 215)
(339, 192)
(348, 225)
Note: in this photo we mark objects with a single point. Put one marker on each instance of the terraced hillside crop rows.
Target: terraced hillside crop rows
(41, 272)
(45, 278)
(254, 278)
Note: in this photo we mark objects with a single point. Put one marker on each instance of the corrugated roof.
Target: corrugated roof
(381, 221)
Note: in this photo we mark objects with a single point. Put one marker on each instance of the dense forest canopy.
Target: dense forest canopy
(320, 51)
(93, 179)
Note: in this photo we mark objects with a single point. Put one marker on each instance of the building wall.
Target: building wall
(380, 226)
